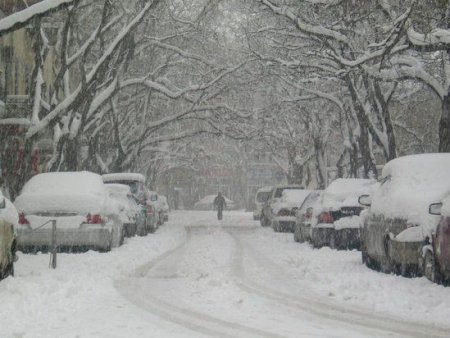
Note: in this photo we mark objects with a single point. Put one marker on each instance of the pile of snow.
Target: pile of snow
(345, 192)
(81, 192)
(409, 185)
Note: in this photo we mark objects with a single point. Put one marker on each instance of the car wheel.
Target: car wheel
(430, 269)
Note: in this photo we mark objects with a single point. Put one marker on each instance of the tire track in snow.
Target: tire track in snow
(192, 320)
(360, 318)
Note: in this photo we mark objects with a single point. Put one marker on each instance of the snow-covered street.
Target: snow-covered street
(197, 277)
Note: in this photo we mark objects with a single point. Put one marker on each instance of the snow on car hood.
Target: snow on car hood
(81, 192)
(409, 185)
(345, 192)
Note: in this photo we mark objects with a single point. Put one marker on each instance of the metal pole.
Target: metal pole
(53, 252)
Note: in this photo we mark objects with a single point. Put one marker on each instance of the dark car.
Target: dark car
(335, 220)
(398, 224)
(437, 254)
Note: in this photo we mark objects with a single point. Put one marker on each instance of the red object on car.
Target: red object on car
(326, 217)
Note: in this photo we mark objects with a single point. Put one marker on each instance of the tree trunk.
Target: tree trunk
(444, 125)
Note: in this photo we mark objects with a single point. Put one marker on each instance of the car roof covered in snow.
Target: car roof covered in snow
(410, 184)
(62, 192)
(295, 195)
(123, 177)
(267, 188)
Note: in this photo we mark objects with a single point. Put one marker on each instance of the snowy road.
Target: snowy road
(197, 277)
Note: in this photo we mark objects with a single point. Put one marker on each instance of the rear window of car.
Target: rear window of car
(279, 191)
(263, 196)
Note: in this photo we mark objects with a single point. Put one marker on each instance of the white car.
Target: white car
(8, 219)
(78, 202)
(261, 197)
(284, 209)
(130, 212)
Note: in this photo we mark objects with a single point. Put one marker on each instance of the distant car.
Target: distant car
(78, 202)
(335, 220)
(164, 207)
(398, 225)
(302, 228)
(436, 265)
(154, 203)
(261, 196)
(130, 211)
(207, 203)
(8, 219)
(136, 182)
(277, 206)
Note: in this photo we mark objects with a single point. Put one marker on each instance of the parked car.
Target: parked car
(164, 207)
(154, 203)
(130, 211)
(335, 220)
(261, 196)
(277, 207)
(136, 182)
(398, 223)
(207, 203)
(302, 227)
(8, 219)
(78, 202)
(437, 254)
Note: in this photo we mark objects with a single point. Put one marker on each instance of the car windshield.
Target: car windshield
(263, 196)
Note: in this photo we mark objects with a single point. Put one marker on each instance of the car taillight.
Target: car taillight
(149, 210)
(23, 220)
(94, 219)
(326, 217)
(284, 212)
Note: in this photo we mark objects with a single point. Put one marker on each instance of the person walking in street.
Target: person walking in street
(220, 204)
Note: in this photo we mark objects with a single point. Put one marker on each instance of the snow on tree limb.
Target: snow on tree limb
(22, 18)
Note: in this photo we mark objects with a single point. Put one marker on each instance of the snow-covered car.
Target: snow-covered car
(207, 203)
(335, 219)
(130, 212)
(164, 207)
(278, 206)
(78, 202)
(261, 197)
(8, 219)
(437, 254)
(302, 228)
(136, 182)
(156, 207)
(399, 224)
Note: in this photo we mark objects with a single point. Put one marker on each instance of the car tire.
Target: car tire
(430, 269)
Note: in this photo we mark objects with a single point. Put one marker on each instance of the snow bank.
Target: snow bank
(411, 184)
(82, 192)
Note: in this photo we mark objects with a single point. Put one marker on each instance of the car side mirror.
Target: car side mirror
(435, 209)
(3, 203)
(365, 200)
